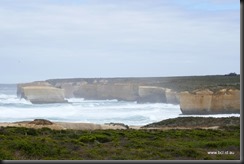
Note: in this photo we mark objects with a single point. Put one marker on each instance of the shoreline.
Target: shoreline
(175, 123)
(68, 125)
(92, 126)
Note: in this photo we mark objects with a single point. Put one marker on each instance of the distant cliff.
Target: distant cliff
(194, 94)
(142, 90)
(209, 102)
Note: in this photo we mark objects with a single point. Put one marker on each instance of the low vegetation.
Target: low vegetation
(197, 122)
(177, 83)
(211, 82)
(18, 143)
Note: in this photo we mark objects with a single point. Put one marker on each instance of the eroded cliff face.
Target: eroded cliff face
(126, 92)
(41, 93)
(36, 83)
(214, 101)
(96, 90)
(208, 102)
(227, 101)
(172, 97)
(100, 90)
(120, 91)
(151, 94)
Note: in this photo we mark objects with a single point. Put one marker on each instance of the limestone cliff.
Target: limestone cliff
(99, 90)
(42, 94)
(208, 102)
(126, 92)
(20, 86)
(173, 90)
(151, 94)
(196, 103)
(226, 100)
(172, 97)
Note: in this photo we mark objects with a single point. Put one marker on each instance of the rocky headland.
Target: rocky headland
(41, 93)
(195, 94)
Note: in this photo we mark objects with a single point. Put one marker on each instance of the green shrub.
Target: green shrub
(117, 144)
(5, 155)
(31, 131)
(2, 137)
(45, 131)
(102, 138)
(87, 139)
(221, 144)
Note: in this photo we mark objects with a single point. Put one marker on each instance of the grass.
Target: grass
(18, 143)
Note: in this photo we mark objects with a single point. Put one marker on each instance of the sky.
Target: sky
(47, 39)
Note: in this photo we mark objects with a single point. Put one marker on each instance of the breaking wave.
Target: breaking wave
(91, 111)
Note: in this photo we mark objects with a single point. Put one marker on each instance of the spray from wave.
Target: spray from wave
(80, 110)
(13, 109)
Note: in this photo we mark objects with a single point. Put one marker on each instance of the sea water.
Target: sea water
(14, 109)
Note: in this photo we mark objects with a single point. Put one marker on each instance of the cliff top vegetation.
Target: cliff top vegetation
(177, 83)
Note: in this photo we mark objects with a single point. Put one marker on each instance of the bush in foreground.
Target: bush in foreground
(195, 144)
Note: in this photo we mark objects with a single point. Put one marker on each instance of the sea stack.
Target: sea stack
(41, 93)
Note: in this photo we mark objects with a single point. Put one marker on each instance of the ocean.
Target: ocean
(14, 109)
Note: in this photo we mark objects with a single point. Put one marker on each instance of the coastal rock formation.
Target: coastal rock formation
(68, 89)
(103, 90)
(209, 102)
(20, 86)
(99, 89)
(198, 102)
(214, 97)
(151, 94)
(172, 97)
(226, 101)
(126, 92)
(43, 94)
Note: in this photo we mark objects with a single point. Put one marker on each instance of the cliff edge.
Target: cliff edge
(213, 94)
(41, 93)
(209, 102)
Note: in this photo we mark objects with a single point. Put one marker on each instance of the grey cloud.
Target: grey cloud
(120, 38)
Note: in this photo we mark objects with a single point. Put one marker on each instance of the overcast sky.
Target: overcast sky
(44, 39)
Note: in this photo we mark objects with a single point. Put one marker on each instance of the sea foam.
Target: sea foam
(14, 109)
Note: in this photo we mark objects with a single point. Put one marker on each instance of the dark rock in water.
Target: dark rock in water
(41, 122)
